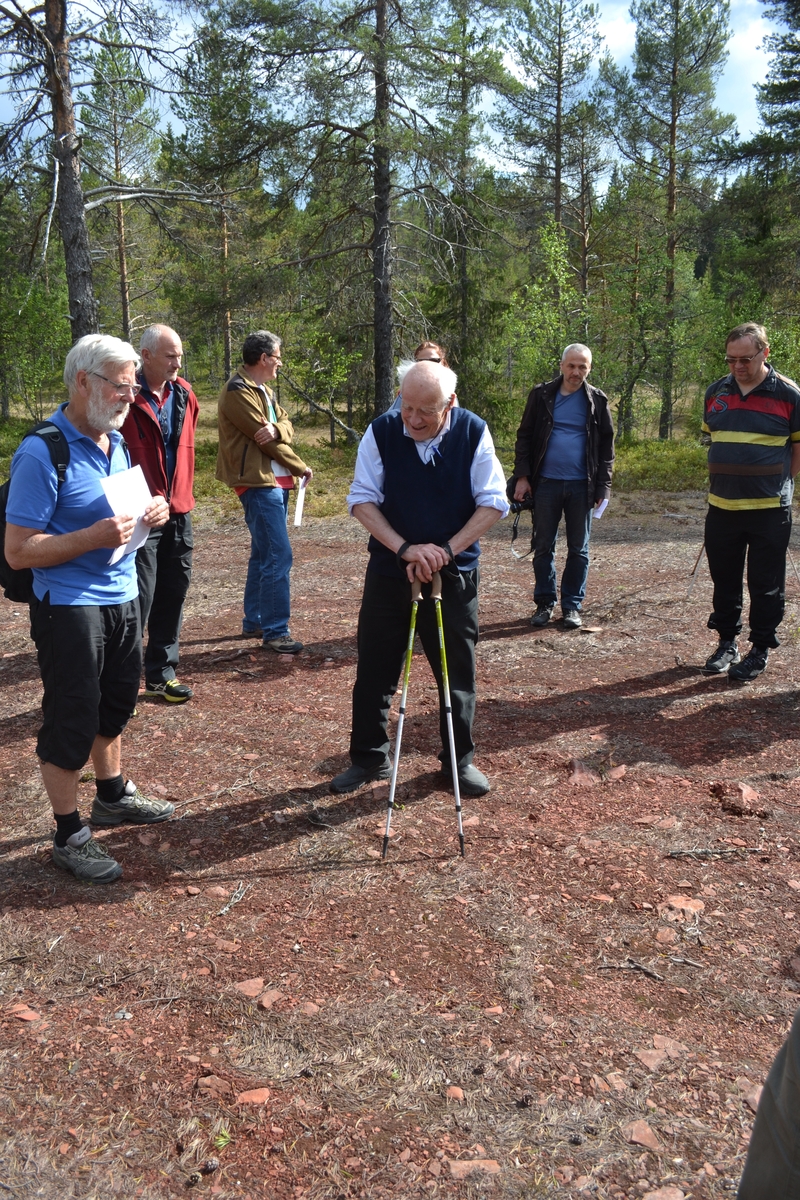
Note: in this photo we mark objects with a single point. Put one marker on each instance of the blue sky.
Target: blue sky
(747, 61)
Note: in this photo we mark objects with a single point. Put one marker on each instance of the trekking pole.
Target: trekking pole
(695, 569)
(794, 567)
(416, 592)
(436, 596)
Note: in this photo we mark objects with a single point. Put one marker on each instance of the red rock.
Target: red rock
(602, 898)
(192, 891)
(212, 1085)
(148, 839)
(250, 987)
(617, 772)
(309, 1008)
(455, 1093)
(434, 1168)
(665, 1193)
(652, 1059)
(681, 908)
(203, 971)
(494, 1011)
(405, 1155)
(671, 1047)
(666, 936)
(256, 1096)
(227, 947)
(64, 1148)
(583, 776)
(471, 822)
(748, 794)
(270, 997)
(28, 1014)
(639, 1133)
(462, 1168)
(220, 892)
(751, 1094)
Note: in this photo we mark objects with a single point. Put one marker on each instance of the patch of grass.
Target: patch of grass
(655, 466)
(11, 434)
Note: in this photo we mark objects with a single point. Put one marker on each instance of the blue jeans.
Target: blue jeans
(266, 592)
(552, 498)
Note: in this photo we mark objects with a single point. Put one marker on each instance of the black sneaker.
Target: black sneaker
(355, 777)
(725, 655)
(752, 665)
(542, 615)
(172, 691)
(572, 619)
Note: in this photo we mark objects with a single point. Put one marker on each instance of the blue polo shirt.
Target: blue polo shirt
(35, 501)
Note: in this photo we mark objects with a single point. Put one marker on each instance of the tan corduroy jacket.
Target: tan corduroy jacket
(243, 408)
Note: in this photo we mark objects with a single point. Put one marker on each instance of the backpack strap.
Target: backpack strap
(57, 445)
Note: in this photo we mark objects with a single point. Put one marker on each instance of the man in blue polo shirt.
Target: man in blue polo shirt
(427, 485)
(563, 457)
(85, 612)
(752, 416)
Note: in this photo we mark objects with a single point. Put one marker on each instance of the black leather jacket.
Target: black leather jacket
(537, 425)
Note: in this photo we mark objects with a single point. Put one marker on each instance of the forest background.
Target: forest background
(359, 175)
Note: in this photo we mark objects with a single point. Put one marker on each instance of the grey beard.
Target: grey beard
(101, 418)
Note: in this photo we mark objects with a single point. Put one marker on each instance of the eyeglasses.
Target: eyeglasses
(427, 360)
(743, 361)
(277, 357)
(121, 389)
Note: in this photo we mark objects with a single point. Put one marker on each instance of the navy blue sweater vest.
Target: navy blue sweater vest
(426, 502)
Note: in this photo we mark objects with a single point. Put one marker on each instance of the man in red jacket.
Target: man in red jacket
(159, 430)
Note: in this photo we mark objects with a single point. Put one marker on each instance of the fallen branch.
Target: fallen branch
(630, 964)
(716, 852)
(238, 895)
(689, 962)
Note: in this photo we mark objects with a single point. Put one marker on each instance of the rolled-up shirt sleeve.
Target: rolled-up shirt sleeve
(367, 485)
(487, 476)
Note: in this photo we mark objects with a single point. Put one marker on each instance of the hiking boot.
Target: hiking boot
(132, 809)
(174, 692)
(725, 655)
(542, 615)
(471, 781)
(572, 619)
(751, 665)
(285, 644)
(86, 858)
(355, 777)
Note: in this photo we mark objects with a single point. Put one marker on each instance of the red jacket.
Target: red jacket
(142, 432)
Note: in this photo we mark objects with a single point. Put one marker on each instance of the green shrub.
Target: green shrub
(655, 466)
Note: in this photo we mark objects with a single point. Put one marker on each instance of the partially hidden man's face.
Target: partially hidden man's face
(108, 402)
(165, 361)
(422, 408)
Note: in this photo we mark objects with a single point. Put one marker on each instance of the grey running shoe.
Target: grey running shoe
(284, 645)
(355, 777)
(751, 665)
(572, 619)
(725, 656)
(471, 781)
(542, 616)
(86, 858)
(132, 809)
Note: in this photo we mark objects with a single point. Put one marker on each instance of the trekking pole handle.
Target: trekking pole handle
(416, 592)
(436, 586)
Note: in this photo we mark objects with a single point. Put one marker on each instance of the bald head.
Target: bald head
(162, 352)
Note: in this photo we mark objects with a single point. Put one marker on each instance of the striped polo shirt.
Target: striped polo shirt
(751, 442)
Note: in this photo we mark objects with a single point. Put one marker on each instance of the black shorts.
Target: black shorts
(90, 660)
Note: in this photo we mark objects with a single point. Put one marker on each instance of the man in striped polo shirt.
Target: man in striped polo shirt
(753, 418)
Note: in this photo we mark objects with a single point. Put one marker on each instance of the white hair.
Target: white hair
(153, 335)
(96, 350)
(578, 348)
(446, 379)
(403, 367)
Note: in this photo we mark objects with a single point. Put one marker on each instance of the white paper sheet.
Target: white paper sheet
(299, 502)
(601, 508)
(128, 494)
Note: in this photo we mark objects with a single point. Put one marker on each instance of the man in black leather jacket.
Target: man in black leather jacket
(564, 456)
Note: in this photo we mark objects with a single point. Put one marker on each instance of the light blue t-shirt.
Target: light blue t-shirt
(35, 501)
(565, 457)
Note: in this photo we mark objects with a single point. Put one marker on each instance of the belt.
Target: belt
(745, 469)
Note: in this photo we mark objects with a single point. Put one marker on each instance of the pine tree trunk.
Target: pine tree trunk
(226, 300)
(71, 216)
(382, 235)
(665, 421)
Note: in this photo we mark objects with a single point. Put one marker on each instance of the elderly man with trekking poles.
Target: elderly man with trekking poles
(427, 485)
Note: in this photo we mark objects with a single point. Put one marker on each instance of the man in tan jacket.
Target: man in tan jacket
(257, 460)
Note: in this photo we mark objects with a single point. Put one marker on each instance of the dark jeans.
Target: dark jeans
(164, 569)
(552, 498)
(762, 536)
(383, 625)
(90, 660)
(772, 1169)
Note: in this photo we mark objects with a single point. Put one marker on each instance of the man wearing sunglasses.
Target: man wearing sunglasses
(752, 416)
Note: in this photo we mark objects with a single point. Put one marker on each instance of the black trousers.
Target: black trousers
(164, 568)
(772, 1169)
(383, 625)
(762, 537)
